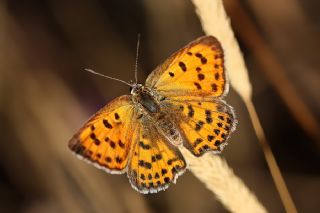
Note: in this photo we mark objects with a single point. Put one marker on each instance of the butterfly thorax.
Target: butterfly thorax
(150, 106)
(145, 97)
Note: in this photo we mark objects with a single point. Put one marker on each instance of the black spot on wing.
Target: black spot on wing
(210, 138)
(191, 111)
(119, 160)
(121, 144)
(197, 141)
(217, 142)
(217, 76)
(202, 58)
(93, 136)
(199, 125)
(214, 87)
(217, 131)
(157, 175)
(108, 159)
(116, 116)
(208, 116)
(198, 85)
(201, 76)
(145, 164)
(163, 171)
(158, 156)
(144, 146)
(79, 149)
(142, 177)
(97, 142)
(107, 124)
(166, 179)
(182, 66)
(199, 55)
(112, 144)
(221, 117)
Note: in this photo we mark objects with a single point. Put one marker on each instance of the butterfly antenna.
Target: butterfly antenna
(96, 73)
(136, 64)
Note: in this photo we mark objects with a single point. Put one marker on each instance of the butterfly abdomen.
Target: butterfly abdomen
(168, 129)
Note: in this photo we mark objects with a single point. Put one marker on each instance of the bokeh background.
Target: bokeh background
(45, 97)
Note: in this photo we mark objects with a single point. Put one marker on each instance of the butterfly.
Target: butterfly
(181, 104)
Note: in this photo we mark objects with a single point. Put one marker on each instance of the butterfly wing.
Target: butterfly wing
(206, 123)
(197, 69)
(106, 138)
(155, 163)
(116, 141)
(193, 81)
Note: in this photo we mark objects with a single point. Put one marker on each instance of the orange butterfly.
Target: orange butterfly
(180, 105)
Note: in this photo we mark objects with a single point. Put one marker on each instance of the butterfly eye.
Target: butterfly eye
(130, 90)
(163, 98)
(135, 88)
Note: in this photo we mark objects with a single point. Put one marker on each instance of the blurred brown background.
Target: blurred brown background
(45, 96)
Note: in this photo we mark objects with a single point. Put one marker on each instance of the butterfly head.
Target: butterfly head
(136, 88)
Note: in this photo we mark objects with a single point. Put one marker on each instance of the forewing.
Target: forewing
(106, 138)
(155, 163)
(197, 69)
(206, 123)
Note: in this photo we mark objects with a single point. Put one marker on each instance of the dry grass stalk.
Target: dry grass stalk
(271, 161)
(219, 178)
(215, 22)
